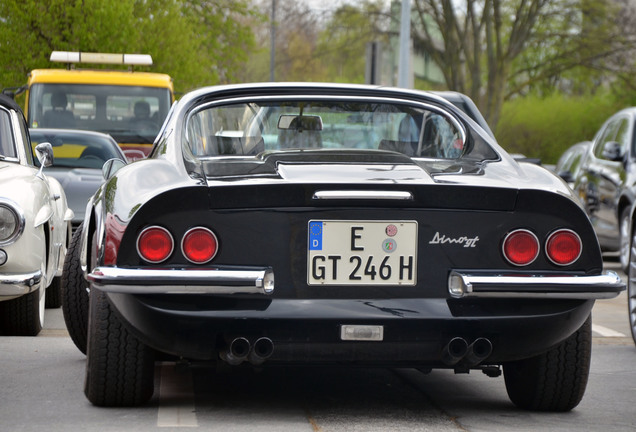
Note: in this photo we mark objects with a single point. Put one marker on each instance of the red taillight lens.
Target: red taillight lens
(521, 247)
(155, 244)
(199, 245)
(563, 247)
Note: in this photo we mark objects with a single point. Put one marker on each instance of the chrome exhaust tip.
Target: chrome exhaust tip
(261, 350)
(478, 351)
(237, 352)
(454, 351)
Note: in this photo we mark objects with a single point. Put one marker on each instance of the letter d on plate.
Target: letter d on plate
(315, 236)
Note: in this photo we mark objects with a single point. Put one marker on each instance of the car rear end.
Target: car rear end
(338, 225)
(367, 274)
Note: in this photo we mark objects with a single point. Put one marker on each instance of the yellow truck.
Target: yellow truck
(129, 105)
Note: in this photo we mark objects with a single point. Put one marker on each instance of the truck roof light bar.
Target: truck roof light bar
(101, 58)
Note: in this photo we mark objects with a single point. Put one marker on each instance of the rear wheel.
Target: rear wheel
(554, 380)
(75, 293)
(119, 368)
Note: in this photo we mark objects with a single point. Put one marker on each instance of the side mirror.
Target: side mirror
(44, 153)
(111, 166)
(613, 151)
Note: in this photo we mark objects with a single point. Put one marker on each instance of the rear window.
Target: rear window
(251, 128)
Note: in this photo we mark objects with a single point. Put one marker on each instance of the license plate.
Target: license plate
(362, 252)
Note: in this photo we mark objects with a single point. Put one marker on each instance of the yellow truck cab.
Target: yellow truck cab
(128, 105)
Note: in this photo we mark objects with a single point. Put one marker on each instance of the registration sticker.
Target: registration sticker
(362, 252)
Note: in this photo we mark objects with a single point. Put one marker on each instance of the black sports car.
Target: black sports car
(334, 225)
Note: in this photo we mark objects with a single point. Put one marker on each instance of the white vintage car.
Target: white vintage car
(34, 228)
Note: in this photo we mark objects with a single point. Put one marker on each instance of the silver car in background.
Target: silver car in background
(79, 157)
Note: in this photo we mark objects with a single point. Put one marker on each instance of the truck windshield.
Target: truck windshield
(130, 114)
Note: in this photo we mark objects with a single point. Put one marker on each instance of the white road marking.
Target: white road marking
(176, 398)
(606, 332)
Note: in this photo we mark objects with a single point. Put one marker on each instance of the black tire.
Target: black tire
(631, 287)
(22, 316)
(554, 380)
(119, 368)
(75, 293)
(53, 295)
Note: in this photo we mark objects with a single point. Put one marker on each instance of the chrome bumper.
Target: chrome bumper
(14, 285)
(216, 280)
(480, 284)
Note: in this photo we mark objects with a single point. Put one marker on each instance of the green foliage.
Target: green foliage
(345, 38)
(316, 46)
(198, 43)
(545, 127)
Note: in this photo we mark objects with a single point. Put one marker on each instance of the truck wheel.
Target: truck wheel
(119, 368)
(75, 293)
(554, 380)
(24, 315)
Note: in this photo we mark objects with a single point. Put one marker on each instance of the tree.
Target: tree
(495, 49)
(328, 44)
(196, 42)
(31, 29)
(342, 44)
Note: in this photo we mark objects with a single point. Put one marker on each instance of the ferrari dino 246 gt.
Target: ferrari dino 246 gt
(334, 225)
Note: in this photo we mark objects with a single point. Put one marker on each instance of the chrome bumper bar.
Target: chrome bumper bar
(215, 280)
(479, 284)
(13, 285)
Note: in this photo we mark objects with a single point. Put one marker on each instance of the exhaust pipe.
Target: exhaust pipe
(478, 351)
(261, 350)
(454, 351)
(238, 351)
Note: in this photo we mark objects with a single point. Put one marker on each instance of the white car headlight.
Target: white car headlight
(11, 222)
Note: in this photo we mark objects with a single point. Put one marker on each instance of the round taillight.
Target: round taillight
(521, 247)
(563, 247)
(155, 244)
(199, 245)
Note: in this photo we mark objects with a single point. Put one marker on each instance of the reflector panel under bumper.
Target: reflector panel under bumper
(213, 280)
(481, 284)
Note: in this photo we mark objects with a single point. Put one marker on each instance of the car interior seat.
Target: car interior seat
(58, 116)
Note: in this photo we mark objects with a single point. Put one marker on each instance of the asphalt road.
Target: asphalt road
(41, 389)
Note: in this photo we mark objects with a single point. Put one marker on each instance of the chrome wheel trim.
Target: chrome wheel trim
(624, 241)
(41, 305)
(631, 288)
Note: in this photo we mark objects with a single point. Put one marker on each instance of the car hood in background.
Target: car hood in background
(79, 185)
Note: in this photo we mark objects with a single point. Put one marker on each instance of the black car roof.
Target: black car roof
(7, 102)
